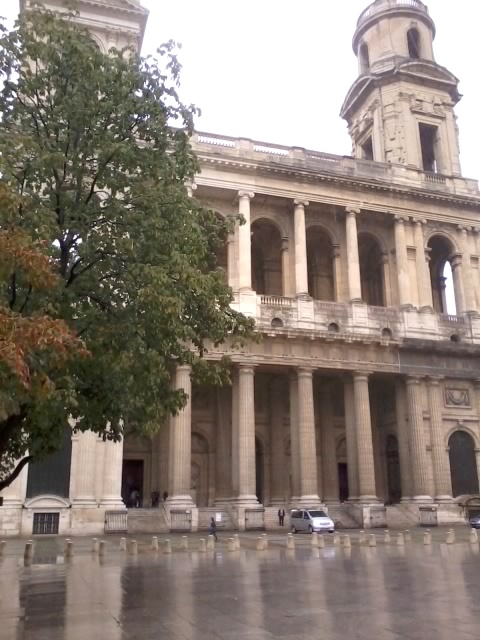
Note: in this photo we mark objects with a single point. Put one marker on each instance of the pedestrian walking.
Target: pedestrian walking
(281, 517)
(213, 529)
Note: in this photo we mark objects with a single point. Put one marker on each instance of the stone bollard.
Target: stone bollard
(133, 547)
(427, 538)
(184, 543)
(473, 538)
(347, 543)
(210, 543)
(167, 546)
(123, 544)
(265, 541)
(372, 540)
(321, 542)
(231, 546)
(3, 544)
(450, 537)
(400, 540)
(236, 538)
(260, 544)
(407, 536)
(154, 545)
(68, 552)
(28, 554)
(315, 553)
(314, 540)
(453, 534)
(102, 548)
(290, 541)
(362, 538)
(202, 545)
(336, 539)
(386, 537)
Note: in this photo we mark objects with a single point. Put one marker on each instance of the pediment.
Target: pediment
(429, 70)
(47, 502)
(362, 85)
(126, 5)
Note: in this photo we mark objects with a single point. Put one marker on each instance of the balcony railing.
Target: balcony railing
(450, 319)
(276, 301)
(376, 7)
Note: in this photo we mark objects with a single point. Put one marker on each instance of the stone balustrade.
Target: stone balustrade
(384, 5)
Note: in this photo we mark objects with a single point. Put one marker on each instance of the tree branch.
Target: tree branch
(6, 482)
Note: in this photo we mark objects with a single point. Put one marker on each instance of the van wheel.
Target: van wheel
(293, 529)
(310, 529)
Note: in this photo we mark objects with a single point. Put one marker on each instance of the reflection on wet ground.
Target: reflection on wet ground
(383, 593)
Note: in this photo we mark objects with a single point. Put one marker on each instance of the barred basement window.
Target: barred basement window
(45, 524)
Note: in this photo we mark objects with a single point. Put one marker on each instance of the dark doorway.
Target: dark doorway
(259, 470)
(132, 482)
(393, 471)
(463, 464)
(343, 490)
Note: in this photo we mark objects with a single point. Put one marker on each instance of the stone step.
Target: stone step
(343, 517)
(402, 517)
(147, 521)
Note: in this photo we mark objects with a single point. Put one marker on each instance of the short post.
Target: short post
(154, 546)
(362, 538)
(68, 549)
(133, 547)
(372, 540)
(102, 548)
(386, 537)
(290, 541)
(231, 545)
(211, 543)
(473, 538)
(400, 540)
(260, 544)
(314, 541)
(236, 538)
(347, 543)
(167, 546)
(202, 545)
(28, 554)
(450, 537)
(265, 541)
(123, 544)
(184, 543)
(321, 542)
(408, 536)
(427, 538)
(336, 539)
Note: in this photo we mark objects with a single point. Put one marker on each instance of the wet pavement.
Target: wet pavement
(383, 593)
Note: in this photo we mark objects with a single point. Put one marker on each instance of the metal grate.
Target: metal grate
(180, 520)
(116, 521)
(254, 519)
(45, 524)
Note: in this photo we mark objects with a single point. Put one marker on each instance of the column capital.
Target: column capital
(352, 211)
(298, 202)
(455, 260)
(414, 380)
(360, 375)
(249, 195)
(247, 369)
(400, 219)
(384, 258)
(285, 242)
(305, 372)
(336, 251)
(421, 222)
(434, 381)
(464, 228)
(184, 368)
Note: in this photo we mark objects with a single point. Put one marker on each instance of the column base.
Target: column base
(367, 500)
(246, 501)
(112, 502)
(277, 502)
(180, 502)
(84, 503)
(309, 501)
(422, 500)
(444, 499)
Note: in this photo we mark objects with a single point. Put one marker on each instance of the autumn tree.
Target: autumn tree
(96, 150)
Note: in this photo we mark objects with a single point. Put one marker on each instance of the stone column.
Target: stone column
(285, 268)
(14, 495)
(337, 272)
(385, 262)
(277, 444)
(467, 269)
(403, 446)
(366, 464)
(235, 443)
(181, 445)
(112, 475)
(306, 436)
(301, 271)
(441, 463)
(223, 447)
(353, 261)
(246, 437)
(294, 438)
(328, 445)
(425, 296)
(244, 242)
(351, 438)
(85, 466)
(402, 262)
(457, 275)
(418, 451)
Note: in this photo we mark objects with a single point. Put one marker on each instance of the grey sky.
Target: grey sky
(278, 71)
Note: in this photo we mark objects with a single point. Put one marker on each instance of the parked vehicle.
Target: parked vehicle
(310, 521)
(475, 522)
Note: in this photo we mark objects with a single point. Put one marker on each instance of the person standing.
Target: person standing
(213, 529)
(281, 517)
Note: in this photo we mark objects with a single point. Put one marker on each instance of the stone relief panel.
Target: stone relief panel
(457, 397)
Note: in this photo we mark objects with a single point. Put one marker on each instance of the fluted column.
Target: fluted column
(467, 269)
(223, 447)
(112, 474)
(246, 436)
(425, 296)
(457, 275)
(402, 262)
(277, 444)
(403, 445)
(244, 241)
(181, 446)
(301, 271)
(294, 438)
(366, 465)
(418, 451)
(329, 467)
(85, 466)
(353, 260)
(351, 438)
(441, 463)
(307, 445)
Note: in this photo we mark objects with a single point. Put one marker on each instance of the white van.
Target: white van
(310, 520)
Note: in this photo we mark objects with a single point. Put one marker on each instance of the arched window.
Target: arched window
(267, 275)
(371, 270)
(443, 286)
(463, 465)
(321, 277)
(413, 40)
(364, 58)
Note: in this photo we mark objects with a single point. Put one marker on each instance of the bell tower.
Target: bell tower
(111, 23)
(401, 107)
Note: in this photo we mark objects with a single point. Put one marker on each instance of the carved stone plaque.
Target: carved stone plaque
(455, 397)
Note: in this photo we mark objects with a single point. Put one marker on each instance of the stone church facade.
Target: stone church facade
(362, 274)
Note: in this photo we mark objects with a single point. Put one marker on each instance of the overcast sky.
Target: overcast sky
(278, 71)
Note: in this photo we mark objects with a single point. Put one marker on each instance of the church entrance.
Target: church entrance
(259, 470)
(132, 483)
(393, 471)
(343, 490)
(463, 464)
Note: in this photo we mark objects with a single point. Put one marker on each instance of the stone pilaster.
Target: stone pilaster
(457, 275)
(328, 446)
(366, 466)
(112, 475)
(418, 451)
(403, 274)
(277, 444)
(467, 269)
(402, 437)
(14, 495)
(294, 439)
(244, 241)
(441, 465)
(223, 447)
(351, 437)
(425, 295)
(85, 466)
(307, 444)
(353, 261)
(181, 445)
(246, 437)
(301, 272)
